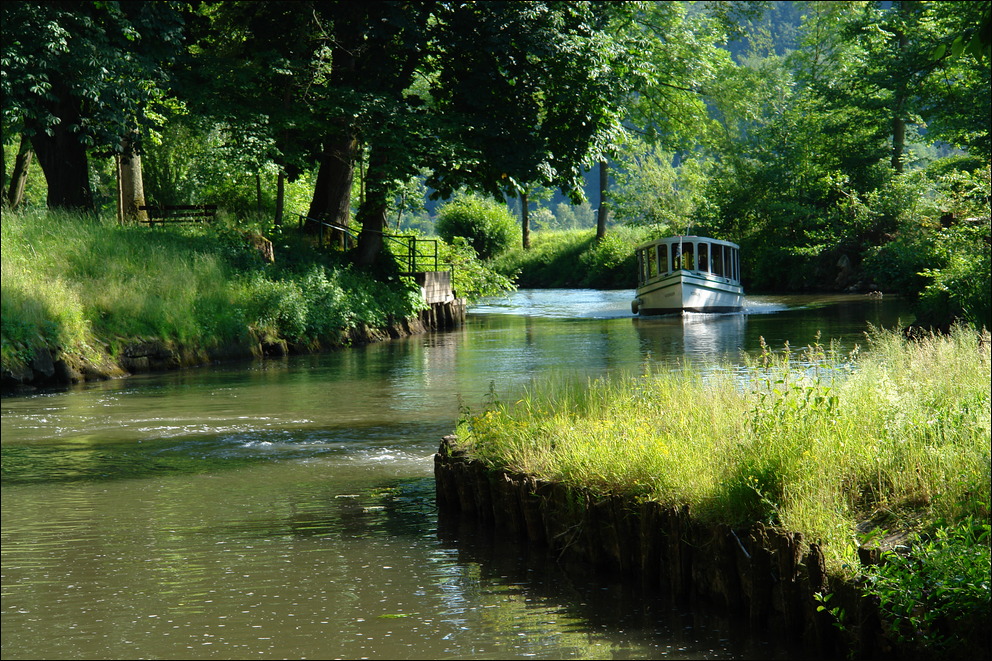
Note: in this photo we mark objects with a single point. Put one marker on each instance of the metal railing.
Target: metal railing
(416, 253)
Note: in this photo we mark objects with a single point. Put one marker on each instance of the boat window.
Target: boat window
(652, 265)
(662, 259)
(734, 264)
(716, 259)
(682, 256)
(728, 258)
(704, 257)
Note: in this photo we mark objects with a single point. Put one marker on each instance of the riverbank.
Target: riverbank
(854, 482)
(85, 298)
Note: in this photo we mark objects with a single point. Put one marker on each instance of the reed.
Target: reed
(809, 440)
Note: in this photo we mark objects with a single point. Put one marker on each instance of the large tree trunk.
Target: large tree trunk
(332, 191)
(603, 212)
(372, 213)
(525, 221)
(62, 156)
(132, 187)
(19, 175)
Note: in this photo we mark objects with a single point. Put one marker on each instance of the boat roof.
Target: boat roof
(680, 238)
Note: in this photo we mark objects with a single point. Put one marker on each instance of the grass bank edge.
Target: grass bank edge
(810, 440)
(86, 287)
(886, 448)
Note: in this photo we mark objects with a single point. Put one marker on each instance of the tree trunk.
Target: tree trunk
(132, 187)
(280, 196)
(372, 213)
(61, 155)
(603, 212)
(901, 94)
(332, 191)
(19, 175)
(525, 221)
(898, 141)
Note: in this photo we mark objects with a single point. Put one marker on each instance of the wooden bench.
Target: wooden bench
(180, 213)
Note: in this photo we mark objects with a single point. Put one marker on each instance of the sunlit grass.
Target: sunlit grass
(811, 442)
(74, 281)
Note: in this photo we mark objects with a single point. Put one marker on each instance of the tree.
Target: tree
(893, 72)
(677, 63)
(19, 175)
(81, 76)
(449, 87)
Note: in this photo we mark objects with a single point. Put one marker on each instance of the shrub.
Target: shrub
(940, 580)
(487, 225)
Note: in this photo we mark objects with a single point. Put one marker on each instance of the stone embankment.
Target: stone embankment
(50, 367)
(767, 576)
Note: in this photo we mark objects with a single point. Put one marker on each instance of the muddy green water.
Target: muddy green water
(285, 509)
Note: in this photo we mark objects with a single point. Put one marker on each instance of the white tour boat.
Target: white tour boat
(688, 274)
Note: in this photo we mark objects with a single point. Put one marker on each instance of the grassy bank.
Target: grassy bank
(573, 258)
(87, 286)
(814, 442)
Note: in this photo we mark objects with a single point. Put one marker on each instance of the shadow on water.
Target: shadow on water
(649, 624)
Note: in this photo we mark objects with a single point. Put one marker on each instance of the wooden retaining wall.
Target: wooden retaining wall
(763, 574)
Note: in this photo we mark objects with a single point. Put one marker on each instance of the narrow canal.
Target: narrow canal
(285, 508)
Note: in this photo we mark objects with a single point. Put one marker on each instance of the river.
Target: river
(285, 508)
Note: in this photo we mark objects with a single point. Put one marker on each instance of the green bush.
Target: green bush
(610, 263)
(487, 225)
(937, 581)
(962, 287)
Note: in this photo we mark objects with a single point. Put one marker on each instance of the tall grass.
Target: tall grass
(812, 442)
(78, 283)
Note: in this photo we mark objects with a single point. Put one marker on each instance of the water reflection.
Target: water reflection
(692, 336)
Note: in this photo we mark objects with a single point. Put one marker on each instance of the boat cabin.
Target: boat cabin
(688, 253)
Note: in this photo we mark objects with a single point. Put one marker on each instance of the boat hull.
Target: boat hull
(684, 291)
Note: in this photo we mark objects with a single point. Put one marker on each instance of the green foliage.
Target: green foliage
(485, 223)
(940, 249)
(314, 306)
(108, 54)
(962, 287)
(473, 277)
(575, 259)
(654, 191)
(84, 76)
(609, 263)
(538, 87)
(940, 580)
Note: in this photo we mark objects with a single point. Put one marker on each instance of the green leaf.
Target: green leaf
(957, 46)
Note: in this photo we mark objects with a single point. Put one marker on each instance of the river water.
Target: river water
(285, 508)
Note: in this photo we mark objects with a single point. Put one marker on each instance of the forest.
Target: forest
(843, 145)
